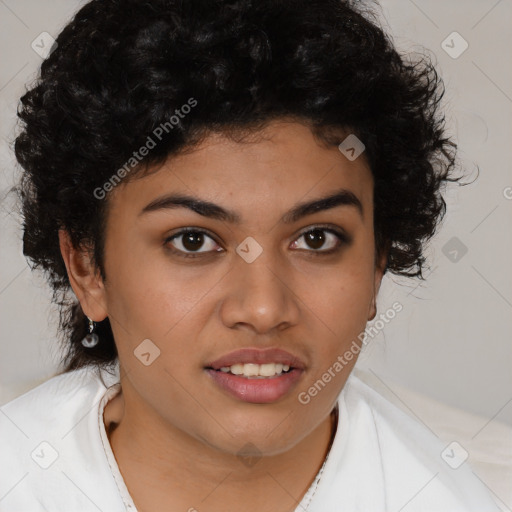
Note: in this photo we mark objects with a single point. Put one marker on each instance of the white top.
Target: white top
(55, 456)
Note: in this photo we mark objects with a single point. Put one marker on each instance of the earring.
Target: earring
(91, 339)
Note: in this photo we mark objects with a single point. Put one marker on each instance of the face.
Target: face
(254, 273)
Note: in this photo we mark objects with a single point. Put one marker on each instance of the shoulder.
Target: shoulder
(387, 460)
(54, 404)
(40, 407)
(44, 433)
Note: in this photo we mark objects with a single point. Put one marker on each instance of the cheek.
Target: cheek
(148, 298)
(337, 306)
(341, 295)
(337, 322)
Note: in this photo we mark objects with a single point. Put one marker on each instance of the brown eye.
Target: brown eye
(190, 241)
(315, 239)
(321, 240)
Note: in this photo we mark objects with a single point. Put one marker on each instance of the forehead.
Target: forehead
(273, 168)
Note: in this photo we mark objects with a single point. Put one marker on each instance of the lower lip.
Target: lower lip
(256, 391)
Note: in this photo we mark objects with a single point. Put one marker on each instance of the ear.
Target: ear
(379, 273)
(84, 278)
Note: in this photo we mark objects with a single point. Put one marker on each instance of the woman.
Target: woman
(215, 191)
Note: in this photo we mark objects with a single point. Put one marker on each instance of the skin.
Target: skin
(174, 433)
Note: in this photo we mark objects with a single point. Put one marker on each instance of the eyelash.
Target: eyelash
(343, 239)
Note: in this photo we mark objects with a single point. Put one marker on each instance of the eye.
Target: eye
(315, 238)
(189, 242)
(194, 242)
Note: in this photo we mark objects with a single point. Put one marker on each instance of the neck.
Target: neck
(163, 464)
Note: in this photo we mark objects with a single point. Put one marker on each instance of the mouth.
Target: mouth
(256, 376)
(256, 371)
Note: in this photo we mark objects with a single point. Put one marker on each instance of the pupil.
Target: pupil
(315, 238)
(192, 241)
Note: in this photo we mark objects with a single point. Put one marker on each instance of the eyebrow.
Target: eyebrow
(341, 197)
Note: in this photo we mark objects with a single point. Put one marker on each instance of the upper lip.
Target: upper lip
(257, 356)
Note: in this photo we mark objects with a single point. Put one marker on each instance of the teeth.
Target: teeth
(269, 369)
(256, 370)
(237, 369)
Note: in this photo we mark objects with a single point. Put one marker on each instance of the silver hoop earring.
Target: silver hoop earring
(91, 339)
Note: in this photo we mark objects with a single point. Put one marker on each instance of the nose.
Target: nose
(260, 297)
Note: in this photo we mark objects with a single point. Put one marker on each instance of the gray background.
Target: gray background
(452, 340)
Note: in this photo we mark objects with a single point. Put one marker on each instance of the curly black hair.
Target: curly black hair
(121, 68)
